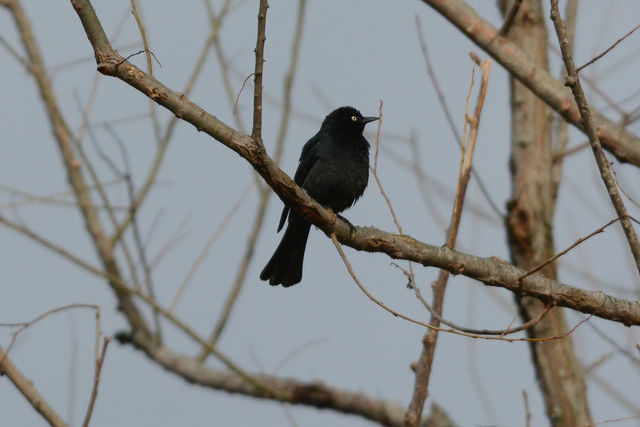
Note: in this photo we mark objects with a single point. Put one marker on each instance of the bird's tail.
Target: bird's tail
(285, 266)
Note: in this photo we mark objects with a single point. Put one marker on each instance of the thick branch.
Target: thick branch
(624, 145)
(491, 271)
(29, 391)
(315, 394)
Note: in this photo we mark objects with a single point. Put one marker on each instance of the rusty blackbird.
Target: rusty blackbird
(334, 169)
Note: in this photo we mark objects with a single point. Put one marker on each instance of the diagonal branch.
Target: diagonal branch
(29, 391)
(621, 143)
(315, 393)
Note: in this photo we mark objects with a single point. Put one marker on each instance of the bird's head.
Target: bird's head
(346, 120)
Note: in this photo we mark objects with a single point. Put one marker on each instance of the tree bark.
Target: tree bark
(530, 225)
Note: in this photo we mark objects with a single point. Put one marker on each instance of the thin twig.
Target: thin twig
(24, 325)
(375, 157)
(176, 236)
(146, 51)
(570, 151)
(23, 61)
(615, 177)
(449, 117)
(295, 352)
(137, 238)
(607, 337)
(562, 126)
(28, 390)
(509, 18)
(425, 362)
(207, 247)
(374, 172)
(609, 49)
(143, 34)
(256, 132)
(527, 410)
(96, 381)
(53, 198)
(614, 420)
(573, 81)
(347, 264)
(93, 173)
(561, 253)
(244, 83)
(502, 332)
(164, 143)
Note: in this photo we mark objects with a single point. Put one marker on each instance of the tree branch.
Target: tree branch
(623, 144)
(315, 394)
(29, 391)
(573, 81)
(425, 362)
(256, 133)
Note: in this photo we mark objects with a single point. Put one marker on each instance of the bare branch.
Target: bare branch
(96, 381)
(609, 49)
(29, 391)
(563, 252)
(448, 116)
(374, 172)
(624, 145)
(164, 142)
(256, 133)
(207, 247)
(143, 34)
(425, 362)
(456, 330)
(589, 125)
(291, 391)
(501, 332)
(509, 17)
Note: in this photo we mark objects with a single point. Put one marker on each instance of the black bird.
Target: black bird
(334, 169)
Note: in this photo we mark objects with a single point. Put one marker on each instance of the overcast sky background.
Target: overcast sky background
(353, 53)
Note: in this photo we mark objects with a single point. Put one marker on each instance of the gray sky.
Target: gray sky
(353, 53)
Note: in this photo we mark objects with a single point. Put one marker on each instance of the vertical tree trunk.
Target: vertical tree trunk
(530, 225)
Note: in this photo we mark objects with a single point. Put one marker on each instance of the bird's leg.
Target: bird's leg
(352, 228)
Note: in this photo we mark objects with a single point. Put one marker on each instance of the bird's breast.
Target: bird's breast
(337, 181)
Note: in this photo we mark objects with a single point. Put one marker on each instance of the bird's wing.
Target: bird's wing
(308, 158)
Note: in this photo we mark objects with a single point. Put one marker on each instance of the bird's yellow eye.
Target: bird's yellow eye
(354, 118)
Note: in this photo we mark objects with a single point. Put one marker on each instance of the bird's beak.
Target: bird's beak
(366, 120)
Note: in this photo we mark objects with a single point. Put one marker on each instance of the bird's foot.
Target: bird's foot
(352, 228)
